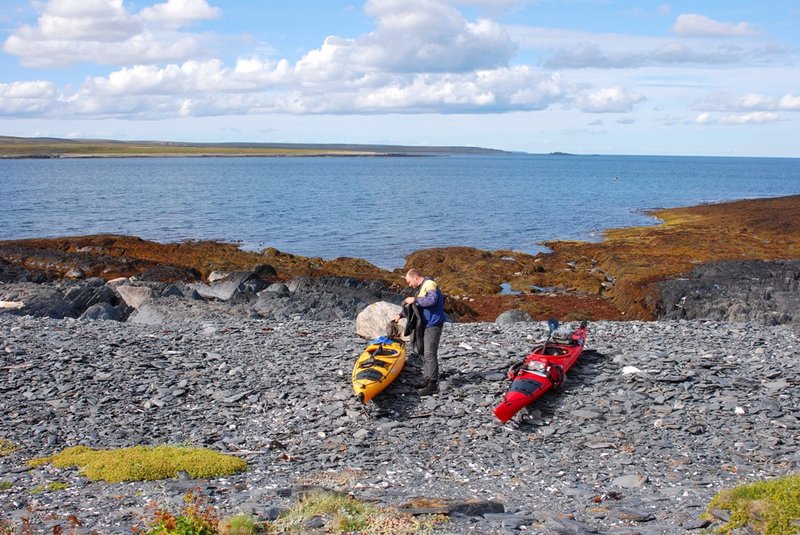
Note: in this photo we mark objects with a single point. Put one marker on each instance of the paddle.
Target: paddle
(552, 325)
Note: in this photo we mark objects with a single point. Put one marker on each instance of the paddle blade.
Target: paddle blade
(552, 324)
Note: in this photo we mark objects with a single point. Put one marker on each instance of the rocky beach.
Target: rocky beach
(111, 342)
(655, 418)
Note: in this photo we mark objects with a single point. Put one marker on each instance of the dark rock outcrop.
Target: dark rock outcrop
(766, 292)
(322, 298)
(65, 299)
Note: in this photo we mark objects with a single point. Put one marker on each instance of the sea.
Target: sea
(376, 208)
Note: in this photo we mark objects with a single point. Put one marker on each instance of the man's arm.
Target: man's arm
(429, 299)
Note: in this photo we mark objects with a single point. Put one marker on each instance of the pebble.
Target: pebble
(610, 452)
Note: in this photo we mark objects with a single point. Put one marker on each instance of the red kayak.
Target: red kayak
(543, 369)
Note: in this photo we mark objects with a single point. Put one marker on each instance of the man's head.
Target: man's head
(414, 278)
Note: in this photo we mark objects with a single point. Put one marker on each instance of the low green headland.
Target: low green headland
(19, 147)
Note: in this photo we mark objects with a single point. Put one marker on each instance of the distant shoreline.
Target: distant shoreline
(47, 148)
(209, 155)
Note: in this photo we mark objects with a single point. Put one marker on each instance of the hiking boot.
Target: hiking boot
(431, 387)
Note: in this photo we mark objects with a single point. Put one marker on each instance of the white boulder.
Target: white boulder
(373, 322)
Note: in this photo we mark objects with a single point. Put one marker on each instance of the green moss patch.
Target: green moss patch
(345, 514)
(771, 507)
(55, 486)
(7, 447)
(142, 463)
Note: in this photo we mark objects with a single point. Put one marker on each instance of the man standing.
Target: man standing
(428, 297)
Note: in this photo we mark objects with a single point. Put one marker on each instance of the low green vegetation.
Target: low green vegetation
(142, 463)
(31, 148)
(196, 518)
(6, 485)
(239, 525)
(345, 514)
(771, 507)
(338, 512)
(55, 486)
(7, 447)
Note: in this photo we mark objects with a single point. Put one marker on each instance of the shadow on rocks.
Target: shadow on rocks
(400, 400)
(557, 399)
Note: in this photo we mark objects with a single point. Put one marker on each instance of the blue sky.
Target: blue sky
(583, 76)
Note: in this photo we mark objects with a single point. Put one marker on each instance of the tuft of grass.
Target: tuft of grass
(336, 479)
(342, 514)
(340, 511)
(7, 447)
(771, 507)
(5, 485)
(144, 463)
(345, 514)
(54, 486)
(239, 525)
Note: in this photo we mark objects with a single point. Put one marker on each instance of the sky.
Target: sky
(717, 78)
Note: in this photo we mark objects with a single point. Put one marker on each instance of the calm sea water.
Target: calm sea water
(379, 209)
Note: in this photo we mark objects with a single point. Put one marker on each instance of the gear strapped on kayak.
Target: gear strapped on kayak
(377, 366)
(543, 369)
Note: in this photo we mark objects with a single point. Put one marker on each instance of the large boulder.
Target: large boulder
(243, 284)
(61, 300)
(177, 310)
(102, 311)
(513, 316)
(374, 321)
(135, 296)
(321, 298)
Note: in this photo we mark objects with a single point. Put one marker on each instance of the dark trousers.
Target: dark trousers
(430, 352)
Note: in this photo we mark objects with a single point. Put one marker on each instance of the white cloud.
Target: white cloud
(749, 102)
(694, 25)
(26, 97)
(609, 100)
(423, 57)
(790, 102)
(254, 86)
(142, 48)
(488, 4)
(427, 36)
(571, 49)
(756, 117)
(177, 13)
(86, 20)
(105, 32)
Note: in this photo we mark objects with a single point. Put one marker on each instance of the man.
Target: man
(428, 297)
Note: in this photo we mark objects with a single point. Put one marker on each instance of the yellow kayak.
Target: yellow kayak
(376, 368)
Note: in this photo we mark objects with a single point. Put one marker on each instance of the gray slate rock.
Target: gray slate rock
(277, 393)
(513, 316)
(766, 292)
